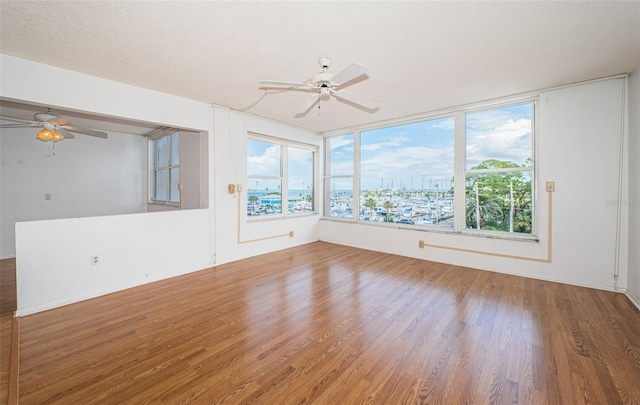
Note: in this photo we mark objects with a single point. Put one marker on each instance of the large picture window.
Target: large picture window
(280, 177)
(405, 174)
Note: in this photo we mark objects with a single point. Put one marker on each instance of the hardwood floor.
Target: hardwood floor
(7, 308)
(329, 324)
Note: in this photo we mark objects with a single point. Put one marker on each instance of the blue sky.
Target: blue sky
(410, 156)
(263, 159)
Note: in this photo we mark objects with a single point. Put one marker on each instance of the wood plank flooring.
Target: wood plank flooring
(7, 308)
(329, 324)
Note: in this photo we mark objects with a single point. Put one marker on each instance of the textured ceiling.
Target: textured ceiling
(422, 56)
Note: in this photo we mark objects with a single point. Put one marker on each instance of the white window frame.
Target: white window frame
(460, 225)
(154, 168)
(460, 170)
(284, 144)
(354, 176)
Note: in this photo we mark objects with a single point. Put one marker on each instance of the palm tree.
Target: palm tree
(370, 203)
(388, 205)
(489, 210)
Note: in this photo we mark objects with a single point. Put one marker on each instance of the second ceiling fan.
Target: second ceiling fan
(325, 84)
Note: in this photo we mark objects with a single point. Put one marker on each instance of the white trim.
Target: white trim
(281, 141)
(616, 259)
(634, 300)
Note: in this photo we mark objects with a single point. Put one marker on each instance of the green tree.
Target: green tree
(370, 203)
(503, 197)
(388, 205)
(253, 199)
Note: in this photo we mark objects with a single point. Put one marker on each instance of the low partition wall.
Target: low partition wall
(59, 262)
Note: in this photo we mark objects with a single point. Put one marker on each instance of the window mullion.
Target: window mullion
(284, 179)
(356, 175)
(459, 205)
(168, 176)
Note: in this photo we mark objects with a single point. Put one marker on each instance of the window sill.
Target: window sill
(161, 204)
(435, 229)
(276, 217)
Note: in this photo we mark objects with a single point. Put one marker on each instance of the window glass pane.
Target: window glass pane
(175, 149)
(263, 159)
(340, 197)
(341, 155)
(406, 173)
(264, 197)
(174, 179)
(503, 134)
(499, 201)
(160, 185)
(161, 152)
(300, 178)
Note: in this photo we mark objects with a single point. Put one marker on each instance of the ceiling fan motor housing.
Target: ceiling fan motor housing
(322, 80)
(325, 63)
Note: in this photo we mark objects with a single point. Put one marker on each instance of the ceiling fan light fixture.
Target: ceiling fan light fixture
(47, 135)
(56, 136)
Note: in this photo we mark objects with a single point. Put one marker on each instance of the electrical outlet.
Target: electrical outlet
(551, 186)
(421, 244)
(239, 187)
(95, 260)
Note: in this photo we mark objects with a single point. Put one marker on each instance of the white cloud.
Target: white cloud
(403, 164)
(509, 141)
(340, 141)
(266, 164)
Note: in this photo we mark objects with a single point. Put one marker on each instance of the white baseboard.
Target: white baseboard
(635, 300)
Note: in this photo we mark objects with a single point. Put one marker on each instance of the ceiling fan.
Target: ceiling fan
(54, 127)
(325, 84)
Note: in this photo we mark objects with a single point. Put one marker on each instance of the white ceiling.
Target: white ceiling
(423, 56)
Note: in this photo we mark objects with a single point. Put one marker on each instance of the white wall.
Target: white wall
(139, 248)
(231, 168)
(192, 170)
(86, 177)
(634, 186)
(54, 257)
(578, 147)
(51, 274)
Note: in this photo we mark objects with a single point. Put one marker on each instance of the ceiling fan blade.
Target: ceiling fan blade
(59, 121)
(278, 83)
(85, 131)
(311, 102)
(25, 125)
(349, 73)
(65, 134)
(3, 118)
(356, 98)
